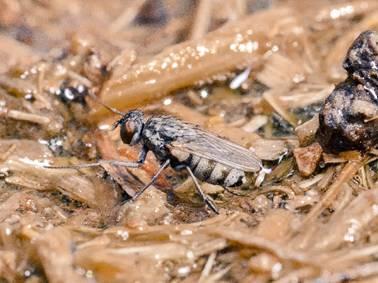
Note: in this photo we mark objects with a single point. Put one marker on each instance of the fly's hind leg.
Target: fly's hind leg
(162, 167)
(205, 198)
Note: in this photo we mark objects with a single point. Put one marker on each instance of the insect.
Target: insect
(183, 146)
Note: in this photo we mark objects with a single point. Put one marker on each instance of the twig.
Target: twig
(208, 266)
(216, 276)
(351, 273)
(349, 170)
(271, 98)
(341, 258)
(202, 19)
(80, 78)
(127, 16)
(9, 151)
(298, 274)
(241, 7)
(263, 244)
(33, 118)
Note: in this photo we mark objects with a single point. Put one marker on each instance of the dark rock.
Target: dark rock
(349, 118)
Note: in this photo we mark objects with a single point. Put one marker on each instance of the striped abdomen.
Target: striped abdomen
(215, 173)
(207, 170)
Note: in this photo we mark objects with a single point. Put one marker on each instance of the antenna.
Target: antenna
(111, 109)
(117, 123)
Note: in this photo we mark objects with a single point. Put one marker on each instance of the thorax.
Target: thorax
(157, 133)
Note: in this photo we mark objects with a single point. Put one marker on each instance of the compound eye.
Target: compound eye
(127, 131)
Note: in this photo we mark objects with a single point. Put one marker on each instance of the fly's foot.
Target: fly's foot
(210, 203)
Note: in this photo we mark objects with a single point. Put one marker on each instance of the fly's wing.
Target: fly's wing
(203, 144)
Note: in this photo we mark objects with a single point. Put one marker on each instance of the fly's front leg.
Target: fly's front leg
(131, 164)
(142, 155)
(205, 198)
(96, 164)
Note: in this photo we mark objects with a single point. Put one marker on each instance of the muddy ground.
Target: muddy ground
(255, 72)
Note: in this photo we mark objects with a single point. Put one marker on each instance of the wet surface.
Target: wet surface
(252, 72)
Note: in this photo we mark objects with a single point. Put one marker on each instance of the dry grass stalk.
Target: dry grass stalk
(192, 61)
(54, 251)
(126, 17)
(345, 175)
(44, 213)
(29, 117)
(202, 19)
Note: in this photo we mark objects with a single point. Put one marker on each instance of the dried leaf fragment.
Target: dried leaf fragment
(54, 251)
(307, 158)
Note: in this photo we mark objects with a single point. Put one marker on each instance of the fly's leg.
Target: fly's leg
(143, 154)
(205, 198)
(141, 159)
(95, 164)
(162, 167)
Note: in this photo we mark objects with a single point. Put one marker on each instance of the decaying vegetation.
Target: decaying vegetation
(254, 71)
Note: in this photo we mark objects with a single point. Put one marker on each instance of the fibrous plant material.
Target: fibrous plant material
(314, 218)
(236, 45)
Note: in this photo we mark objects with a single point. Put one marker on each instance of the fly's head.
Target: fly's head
(131, 126)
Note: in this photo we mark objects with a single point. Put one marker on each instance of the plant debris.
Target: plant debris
(308, 158)
(255, 72)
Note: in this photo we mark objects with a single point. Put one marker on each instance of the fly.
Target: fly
(183, 146)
